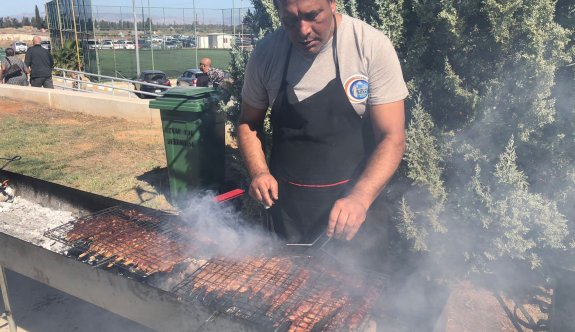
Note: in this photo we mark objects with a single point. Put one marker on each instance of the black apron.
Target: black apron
(320, 146)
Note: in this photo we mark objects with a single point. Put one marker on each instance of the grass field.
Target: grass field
(108, 156)
(172, 62)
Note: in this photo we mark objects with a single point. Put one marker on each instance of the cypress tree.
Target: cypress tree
(38, 22)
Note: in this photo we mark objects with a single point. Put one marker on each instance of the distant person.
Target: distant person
(212, 76)
(13, 69)
(40, 64)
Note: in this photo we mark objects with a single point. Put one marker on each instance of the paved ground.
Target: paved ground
(40, 308)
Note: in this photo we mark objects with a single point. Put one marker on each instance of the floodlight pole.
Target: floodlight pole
(60, 24)
(151, 38)
(95, 40)
(76, 36)
(136, 37)
(195, 30)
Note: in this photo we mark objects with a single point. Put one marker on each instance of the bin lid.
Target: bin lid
(184, 99)
(189, 92)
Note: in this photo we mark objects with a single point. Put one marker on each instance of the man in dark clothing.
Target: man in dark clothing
(212, 77)
(39, 63)
(336, 93)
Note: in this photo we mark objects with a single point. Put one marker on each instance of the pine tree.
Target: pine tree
(485, 71)
(38, 22)
(26, 21)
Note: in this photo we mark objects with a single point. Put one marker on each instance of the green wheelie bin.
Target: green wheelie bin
(194, 139)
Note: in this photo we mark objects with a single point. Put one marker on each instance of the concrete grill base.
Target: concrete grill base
(134, 300)
(131, 299)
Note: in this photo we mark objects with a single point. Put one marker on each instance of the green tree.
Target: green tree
(15, 23)
(26, 21)
(485, 71)
(66, 57)
(38, 21)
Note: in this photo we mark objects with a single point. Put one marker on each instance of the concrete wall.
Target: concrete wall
(90, 103)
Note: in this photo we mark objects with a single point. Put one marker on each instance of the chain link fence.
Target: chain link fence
(167, 39)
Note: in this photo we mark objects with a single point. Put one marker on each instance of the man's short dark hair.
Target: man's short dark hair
(276, 3)
(10, 51)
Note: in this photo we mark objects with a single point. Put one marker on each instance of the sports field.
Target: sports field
(172, 62)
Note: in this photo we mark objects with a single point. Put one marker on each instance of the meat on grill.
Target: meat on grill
(132, 243)
(278, 289)
(301, 298)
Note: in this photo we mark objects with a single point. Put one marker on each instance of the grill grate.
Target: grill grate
(139, 243)
(283, 293)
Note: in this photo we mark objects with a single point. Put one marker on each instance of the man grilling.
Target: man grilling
(336, 90)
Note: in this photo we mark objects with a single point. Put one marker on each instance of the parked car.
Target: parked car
(93, 44)
(154, 77)
(45, 44)
(189, 77)
(170, 45)
(155, 46)
(189, 42)
(129, 45)
(20, 47)
(118, 45)
(106, 45)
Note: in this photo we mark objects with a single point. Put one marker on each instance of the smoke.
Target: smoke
(224, 226)
(510, 181)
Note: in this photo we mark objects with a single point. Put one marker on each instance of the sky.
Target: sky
(26, 7)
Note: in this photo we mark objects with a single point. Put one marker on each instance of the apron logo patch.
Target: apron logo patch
(357, 88)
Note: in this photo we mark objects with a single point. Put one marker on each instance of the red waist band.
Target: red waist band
(318, 185)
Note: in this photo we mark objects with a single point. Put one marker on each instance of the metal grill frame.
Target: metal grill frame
(161, 223)
(258, 312)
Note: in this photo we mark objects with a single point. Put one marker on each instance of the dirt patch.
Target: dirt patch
(37, 113)
(11, 107)
(147, 135)
(471, 308)
(67, 122)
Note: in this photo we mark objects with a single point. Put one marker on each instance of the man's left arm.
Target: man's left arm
(349, 213)
(218, 76)
(28, 61)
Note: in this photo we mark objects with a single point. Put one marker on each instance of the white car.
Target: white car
(20, 47)
(106, 45)
(93, 44)
(129, 45)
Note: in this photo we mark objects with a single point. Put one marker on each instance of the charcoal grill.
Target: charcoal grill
(283, 293)
(267, 298)
(120, 243)
(128, 297)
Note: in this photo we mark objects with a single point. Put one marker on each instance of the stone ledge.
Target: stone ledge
(89, 103)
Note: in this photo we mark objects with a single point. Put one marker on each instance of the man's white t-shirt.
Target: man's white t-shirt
(369, 68)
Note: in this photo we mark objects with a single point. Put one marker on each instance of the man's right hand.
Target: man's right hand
(264, 189)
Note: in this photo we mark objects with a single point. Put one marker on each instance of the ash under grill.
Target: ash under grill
(284, 293)
(139, 243)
